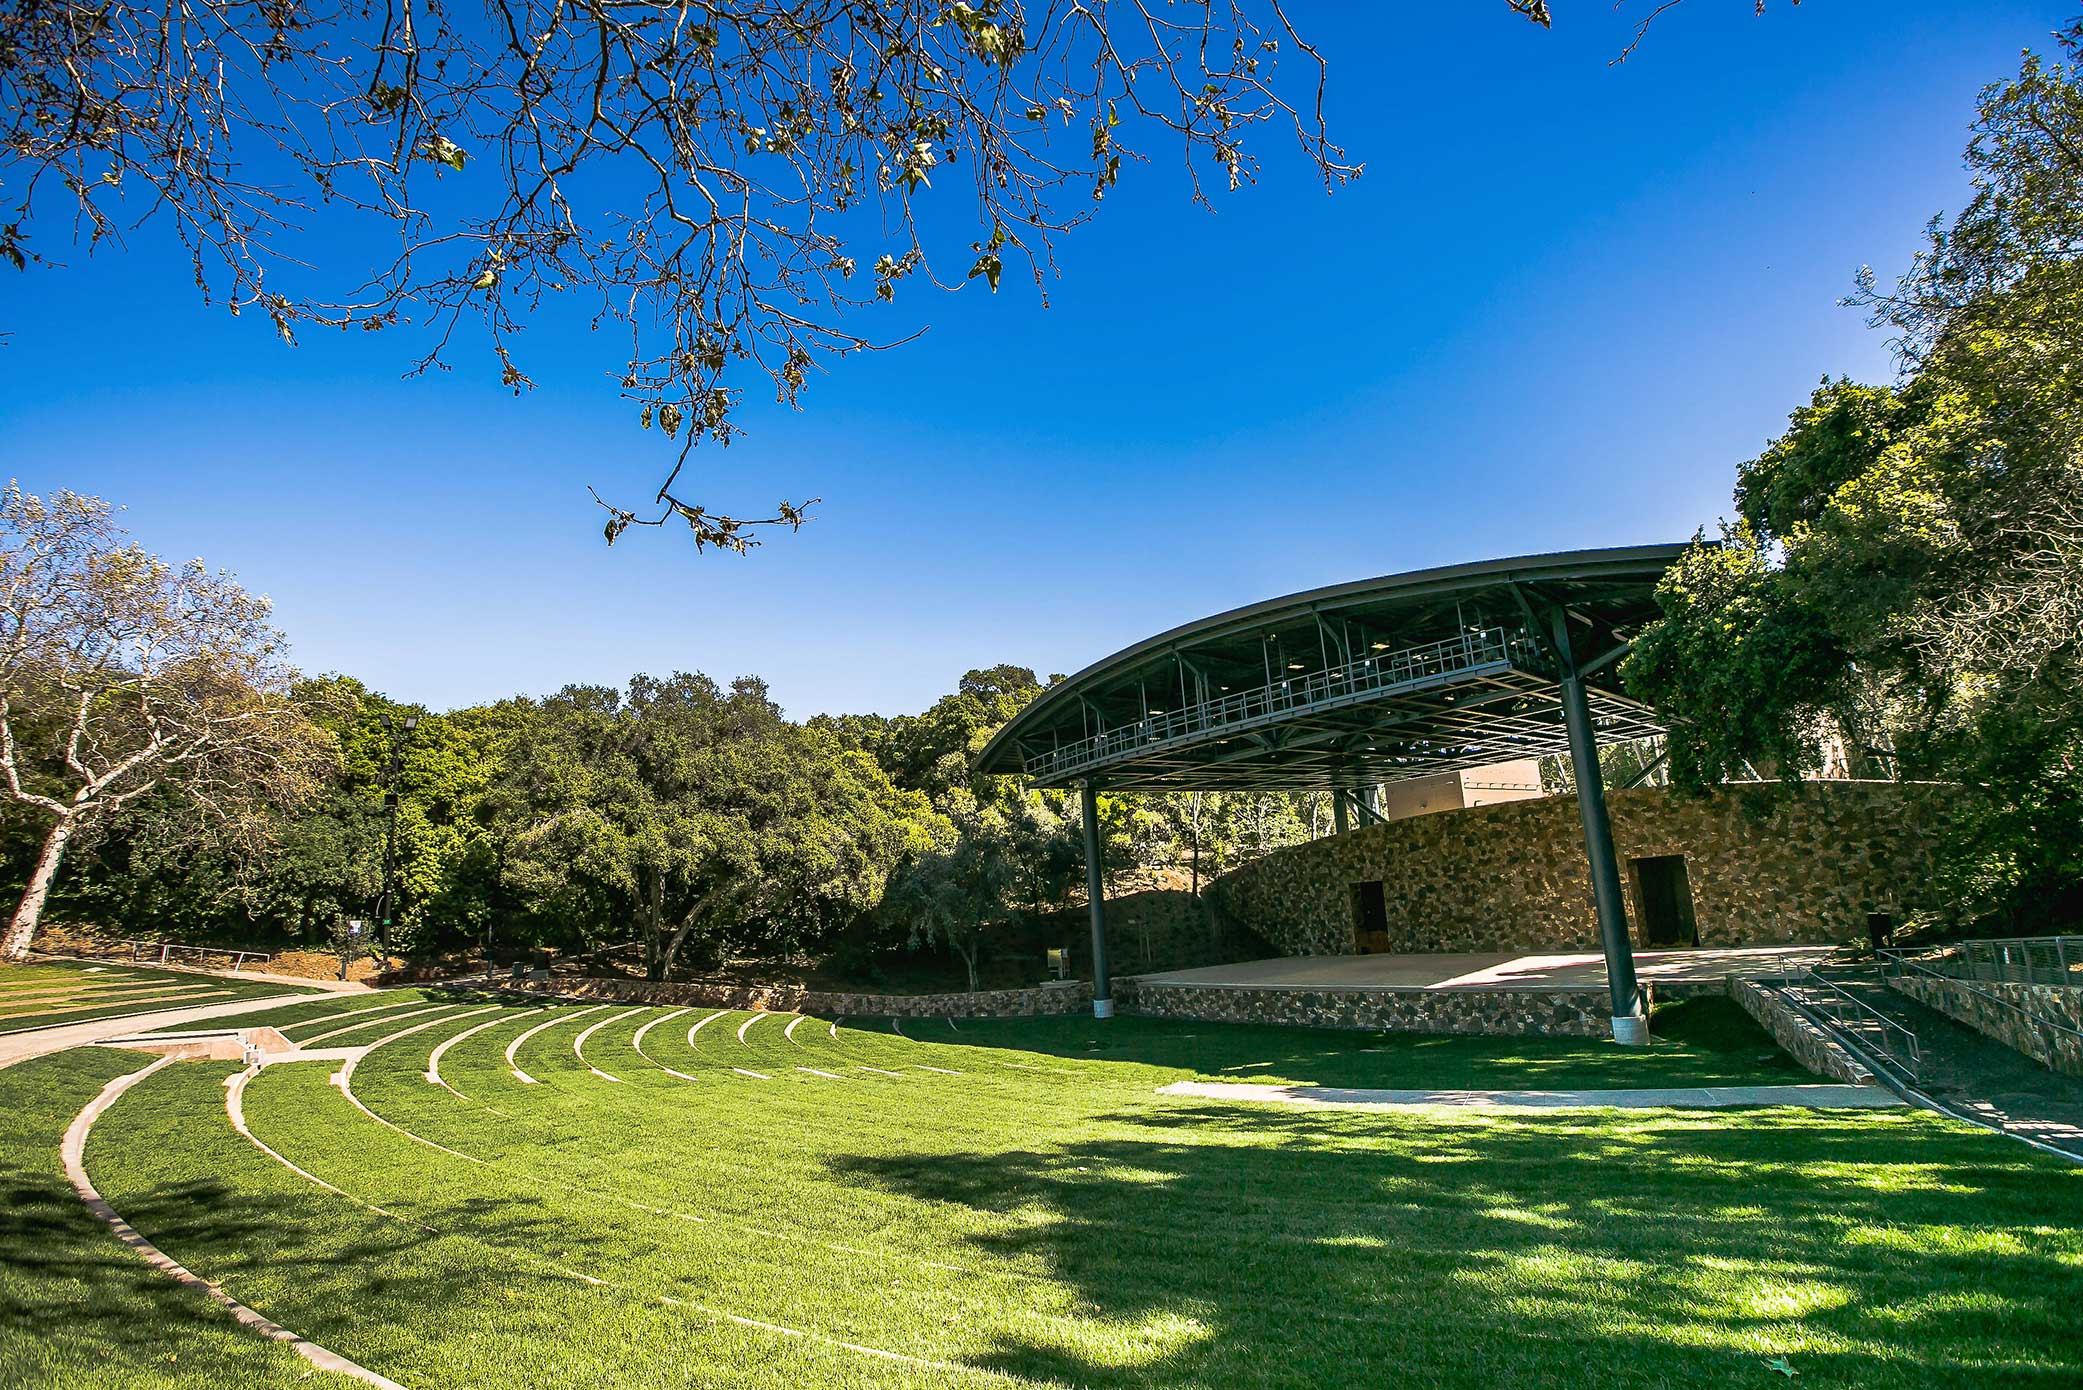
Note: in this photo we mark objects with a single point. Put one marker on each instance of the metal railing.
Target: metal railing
(2025, 960)
(2058, 1037)
(168, 953)
(1388, 673)
(1833, 1006)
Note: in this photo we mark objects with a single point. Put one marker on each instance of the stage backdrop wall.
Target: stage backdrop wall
(1766, 863)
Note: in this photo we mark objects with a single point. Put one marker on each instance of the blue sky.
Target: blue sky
(1563, 303)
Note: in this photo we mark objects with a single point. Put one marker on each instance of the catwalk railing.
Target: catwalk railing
(1371, 677)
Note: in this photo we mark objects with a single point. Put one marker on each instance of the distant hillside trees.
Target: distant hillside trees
(683, 822)
(695, 815)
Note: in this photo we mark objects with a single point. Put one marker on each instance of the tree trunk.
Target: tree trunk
(687, 924)
(655, 960)
(22, 929)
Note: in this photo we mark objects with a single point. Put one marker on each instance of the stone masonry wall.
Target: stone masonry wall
(1538, 1013)
(1069, 997)
(1507, 1013)
(2052, 1047)
(1804, 1041)
(1766, 863)
(1152, 929)
(1532, 1012)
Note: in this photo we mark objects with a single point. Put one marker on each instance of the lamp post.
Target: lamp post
(350, 937)
(390, 831)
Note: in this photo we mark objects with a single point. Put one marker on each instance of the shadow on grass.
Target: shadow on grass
(77, 1308)
(1624, 1250)
(1702, 1042)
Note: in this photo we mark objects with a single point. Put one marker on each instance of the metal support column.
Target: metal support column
(1337, 811)
(1096, 891)
(1629, 1025)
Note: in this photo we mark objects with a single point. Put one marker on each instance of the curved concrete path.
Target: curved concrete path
(73, 1151)
(1819, 1097)
(1491, 970)
(20, 1047)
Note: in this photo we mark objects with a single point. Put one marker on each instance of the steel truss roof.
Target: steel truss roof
(1377, 681)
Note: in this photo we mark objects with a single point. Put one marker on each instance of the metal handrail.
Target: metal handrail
(170, 952)
(1847, 1013)
(1411, 669)
(2025, 960)
(1901, 960)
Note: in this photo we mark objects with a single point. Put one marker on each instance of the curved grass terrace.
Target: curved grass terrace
(757, 1200)
(43, 995)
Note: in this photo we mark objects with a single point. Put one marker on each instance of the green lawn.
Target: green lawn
(1012, 1203)
(40, 995)
(1702, 1043)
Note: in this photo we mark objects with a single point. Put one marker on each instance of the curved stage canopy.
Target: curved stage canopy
(1359, 684)
(1355, 684)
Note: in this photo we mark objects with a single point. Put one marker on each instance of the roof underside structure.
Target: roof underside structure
(1375, 681)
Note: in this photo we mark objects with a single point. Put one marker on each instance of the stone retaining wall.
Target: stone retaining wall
(1530, 1012)
(2048, 1046)
(1538, 1013)
(1767, 864)
(1072, 996)
(1148, 930)
(1802, 1040)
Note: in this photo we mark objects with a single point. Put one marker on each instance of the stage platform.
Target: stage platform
(1478, 971)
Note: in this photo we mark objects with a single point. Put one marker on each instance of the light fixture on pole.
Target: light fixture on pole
(385, 898)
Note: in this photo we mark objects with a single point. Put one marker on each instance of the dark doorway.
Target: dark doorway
(1370, 918)
(1880, 929)
(1663, 895)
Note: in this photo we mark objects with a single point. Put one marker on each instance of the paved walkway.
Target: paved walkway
(1978, 1076)
(19, 1047)
(1475, 970)
(1819, 1096)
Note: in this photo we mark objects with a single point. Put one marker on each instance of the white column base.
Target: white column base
(1102, 1008)
(1631, 1030)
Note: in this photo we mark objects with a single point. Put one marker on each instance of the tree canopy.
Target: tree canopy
(680, 821)
(1902, 588)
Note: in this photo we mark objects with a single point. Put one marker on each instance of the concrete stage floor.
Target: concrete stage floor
(1473, 970)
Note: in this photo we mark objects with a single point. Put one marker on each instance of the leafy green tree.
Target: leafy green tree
(1133, 831)
(951, 894)
(931, 752)
(681, 813)
(1905, 582)
(1743, 670)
